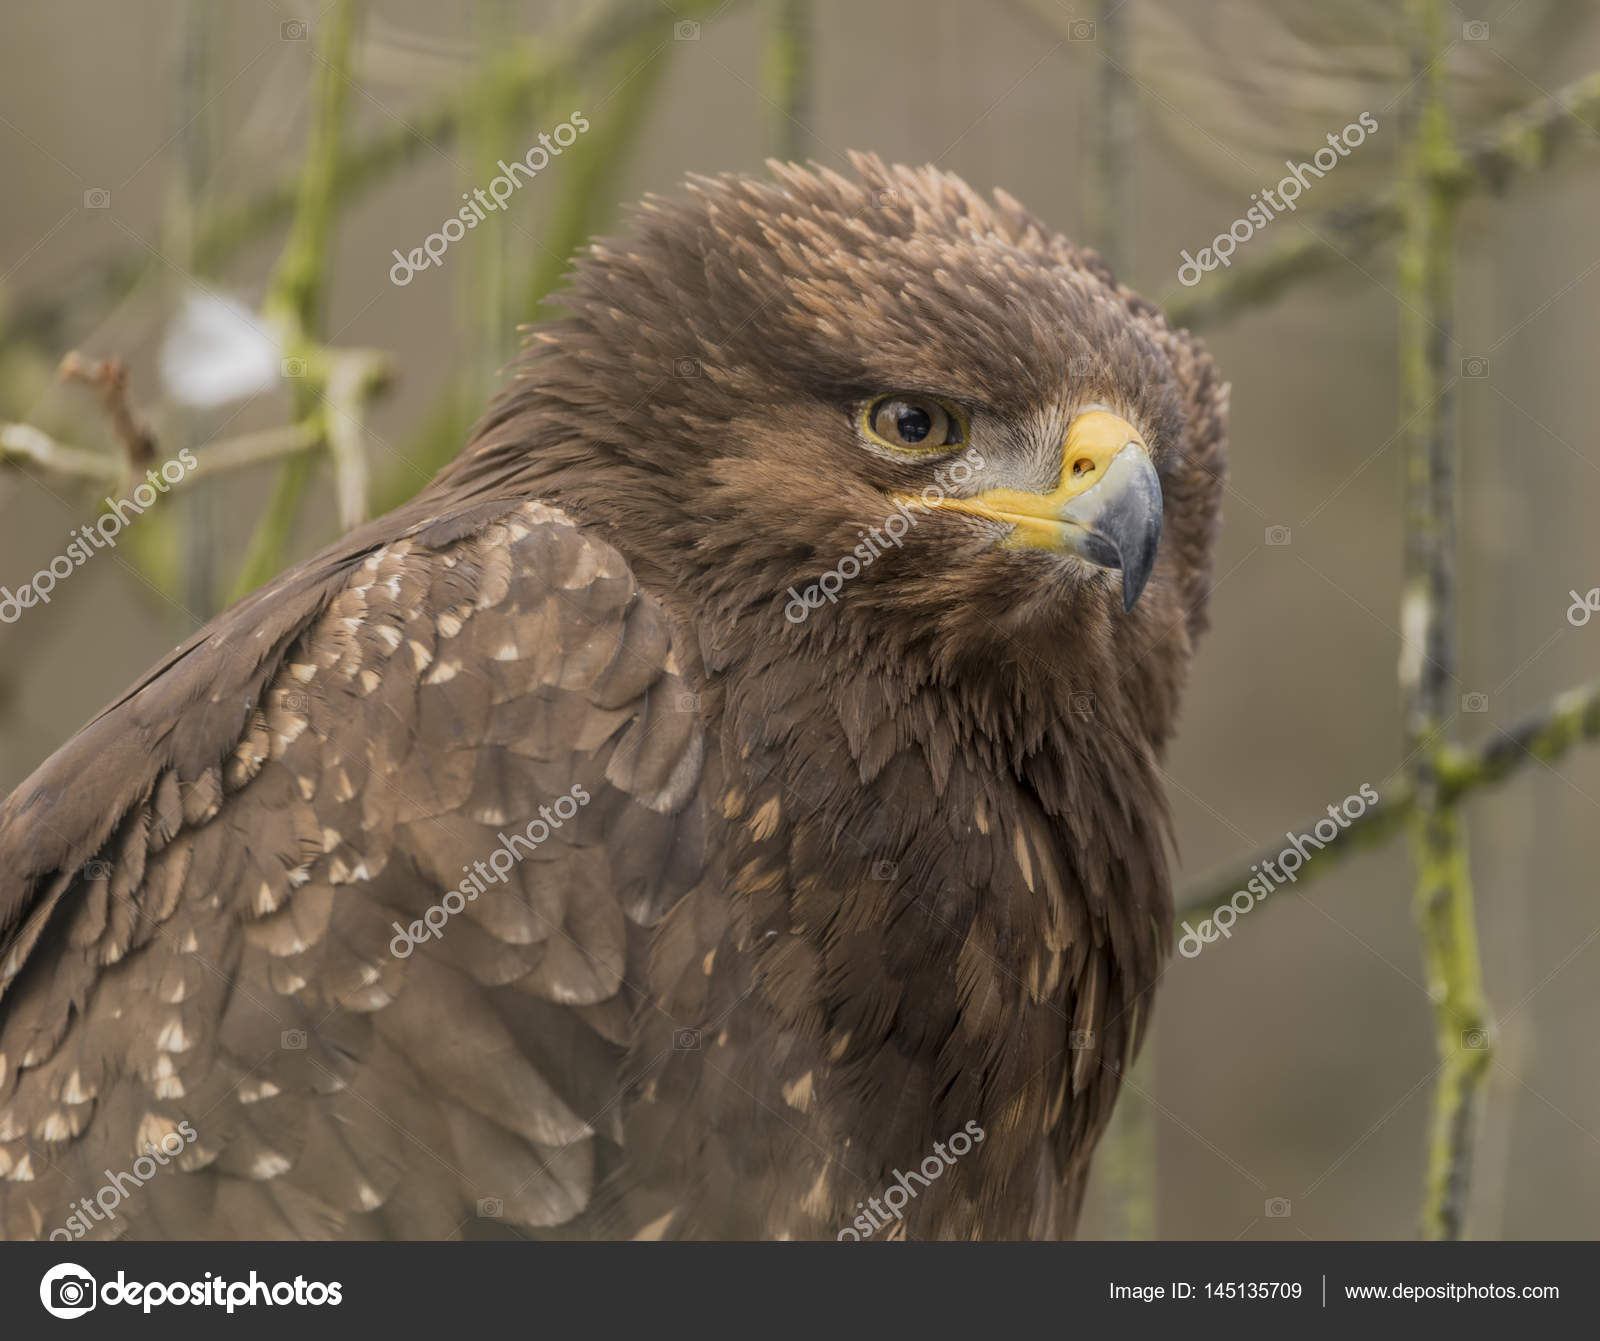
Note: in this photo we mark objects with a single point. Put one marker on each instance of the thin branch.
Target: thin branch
(1527, 140)
(109, 378)
(254, 449)
(24, 442)
(352, 379)
(1545, 737)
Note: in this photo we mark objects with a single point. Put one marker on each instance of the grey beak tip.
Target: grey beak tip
(1139, 560)
(1133, 524)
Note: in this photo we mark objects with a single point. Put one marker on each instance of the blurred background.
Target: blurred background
(165, 206)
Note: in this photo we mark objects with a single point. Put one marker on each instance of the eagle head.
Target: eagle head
(886, 415)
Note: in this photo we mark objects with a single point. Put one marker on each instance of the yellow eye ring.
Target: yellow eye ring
(914, 425)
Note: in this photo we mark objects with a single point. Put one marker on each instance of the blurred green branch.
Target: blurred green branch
(24, 444)
(790, 47)
(1430, 190)
(584, 200)
(591, 181)
(1110, 202)
(1128, 1149)
(594, 35)
(293, 306)
(1524, 141)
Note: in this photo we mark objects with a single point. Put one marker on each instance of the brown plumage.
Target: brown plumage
(809, 895)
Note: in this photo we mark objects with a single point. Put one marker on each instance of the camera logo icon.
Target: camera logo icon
(292, 1040)
(1477, 366)
(1277, 1208)
(1278, 535)
(67, 1291)
(1080, 30)
(686, 1040)
(97, 198)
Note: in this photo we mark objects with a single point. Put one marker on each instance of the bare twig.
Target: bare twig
(254, 449)
(109, 378)
(25, 443)
(352, 378)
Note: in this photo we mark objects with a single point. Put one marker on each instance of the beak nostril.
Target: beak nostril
(1081, 467)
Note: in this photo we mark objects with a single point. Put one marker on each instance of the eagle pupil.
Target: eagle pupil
(913, 424)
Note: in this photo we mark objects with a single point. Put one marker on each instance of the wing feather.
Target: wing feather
(205, 933)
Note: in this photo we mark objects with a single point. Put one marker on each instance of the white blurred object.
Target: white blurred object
(216, 351)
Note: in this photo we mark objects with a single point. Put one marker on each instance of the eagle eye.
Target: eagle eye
(909, 423)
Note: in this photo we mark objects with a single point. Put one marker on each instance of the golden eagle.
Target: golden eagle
(725, 803)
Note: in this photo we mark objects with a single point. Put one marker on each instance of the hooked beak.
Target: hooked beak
(1106, 508)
